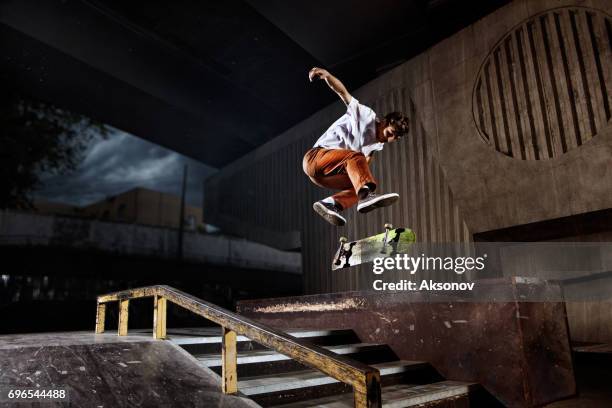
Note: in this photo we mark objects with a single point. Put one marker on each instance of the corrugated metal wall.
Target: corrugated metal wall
(426, 204)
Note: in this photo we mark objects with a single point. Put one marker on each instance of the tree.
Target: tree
(37, 138)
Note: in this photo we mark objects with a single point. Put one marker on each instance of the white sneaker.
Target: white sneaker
(373, 201)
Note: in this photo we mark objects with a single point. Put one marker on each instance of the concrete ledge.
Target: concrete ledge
(519, 351)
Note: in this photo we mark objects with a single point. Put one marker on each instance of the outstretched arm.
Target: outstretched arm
(333, 82)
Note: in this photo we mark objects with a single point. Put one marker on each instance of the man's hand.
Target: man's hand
(333, 82)
(318, 73)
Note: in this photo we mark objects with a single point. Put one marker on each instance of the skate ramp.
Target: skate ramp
(104, 370)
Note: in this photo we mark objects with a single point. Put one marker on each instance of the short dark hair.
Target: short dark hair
(399, 121)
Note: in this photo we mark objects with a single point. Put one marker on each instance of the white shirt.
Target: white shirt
(355, 130)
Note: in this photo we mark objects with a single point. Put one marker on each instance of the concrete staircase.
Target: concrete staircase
(272, 379)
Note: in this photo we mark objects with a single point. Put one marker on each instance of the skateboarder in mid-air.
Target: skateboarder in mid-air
(340, 158)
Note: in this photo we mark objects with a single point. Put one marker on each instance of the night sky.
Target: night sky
(121, 162)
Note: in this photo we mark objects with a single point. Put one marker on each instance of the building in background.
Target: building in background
(136, 206)
(45, 207)
(144, 206)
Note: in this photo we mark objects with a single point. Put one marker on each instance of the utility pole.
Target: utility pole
(182, 216)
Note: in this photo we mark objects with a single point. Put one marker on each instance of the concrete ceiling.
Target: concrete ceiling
(211, 79)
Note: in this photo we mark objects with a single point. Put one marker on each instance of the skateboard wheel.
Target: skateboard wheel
(388, 226)
(343, 240)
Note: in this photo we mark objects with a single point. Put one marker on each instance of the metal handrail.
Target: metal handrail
(364, 379)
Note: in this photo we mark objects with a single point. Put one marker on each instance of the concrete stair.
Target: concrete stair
(449, 393)
(273, 379)
(270, 362)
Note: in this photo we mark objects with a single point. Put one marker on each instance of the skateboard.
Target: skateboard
(391, 242)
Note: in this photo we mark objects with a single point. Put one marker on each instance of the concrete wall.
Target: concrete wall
(139, 240)
(511, 125)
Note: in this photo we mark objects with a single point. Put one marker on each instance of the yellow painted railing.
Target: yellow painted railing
(364, 379)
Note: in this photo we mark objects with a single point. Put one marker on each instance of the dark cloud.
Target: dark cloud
(120, 163)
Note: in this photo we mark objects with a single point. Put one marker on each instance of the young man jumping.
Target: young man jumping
(340, 158)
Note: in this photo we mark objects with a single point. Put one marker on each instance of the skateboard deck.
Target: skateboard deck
(391, 242)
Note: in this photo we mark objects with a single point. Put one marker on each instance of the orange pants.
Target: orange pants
(339, 169)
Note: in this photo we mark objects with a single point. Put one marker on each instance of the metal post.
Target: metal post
(182, 216)
(229, 362)
(159, 317)
(123, 317)
(100, 317)
(371, 396)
